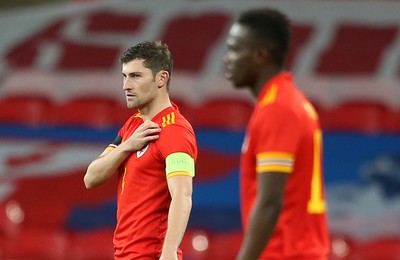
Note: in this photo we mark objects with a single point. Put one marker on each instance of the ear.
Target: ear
(162, 78)
(262, 56)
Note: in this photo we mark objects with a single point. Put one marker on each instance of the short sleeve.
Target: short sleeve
(276, 139)
(177, 138)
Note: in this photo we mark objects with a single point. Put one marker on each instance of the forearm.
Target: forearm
(260, 228)
(178, 218)
(104, 167)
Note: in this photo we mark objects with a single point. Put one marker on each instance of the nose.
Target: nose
(126, 84)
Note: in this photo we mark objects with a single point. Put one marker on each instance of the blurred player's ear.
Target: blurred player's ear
(262, 55)
(162, 78)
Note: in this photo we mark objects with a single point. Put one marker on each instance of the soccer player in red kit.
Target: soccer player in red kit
(154, 158)
(282, 190)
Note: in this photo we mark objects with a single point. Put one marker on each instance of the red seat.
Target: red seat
(36, 243)
(26, 110)
(356, 49)
(112, 22)
(96, 244)
(225, 245)
(186, 109)
(96, 112)
(205, 31)
(79, 56)
(392, 121)
(358, 116)
(228, 113)
(385, 248)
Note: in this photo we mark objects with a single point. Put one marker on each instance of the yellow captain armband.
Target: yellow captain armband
(179, 164)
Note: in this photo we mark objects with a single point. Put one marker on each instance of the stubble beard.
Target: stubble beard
(132, 105)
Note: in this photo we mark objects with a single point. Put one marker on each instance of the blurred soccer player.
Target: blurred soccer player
(282, 191)
(154, 158)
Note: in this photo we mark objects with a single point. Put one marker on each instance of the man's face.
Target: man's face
(138, 83)
(240, 67)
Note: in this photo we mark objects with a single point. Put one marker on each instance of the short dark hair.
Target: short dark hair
(155, 54)
(270, 27)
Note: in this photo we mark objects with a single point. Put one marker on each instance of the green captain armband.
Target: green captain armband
(179, 164)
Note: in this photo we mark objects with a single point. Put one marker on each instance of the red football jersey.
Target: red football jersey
(143, 195)
(284, 135)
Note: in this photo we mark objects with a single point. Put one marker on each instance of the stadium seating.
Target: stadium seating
(355, 116)
(60, 71)
(225, 245)
(26, 110)
(382, 248)
(391, 121)
(205, 30)
(225, 113)
(100, 112)
(356, 49)
(79, 56)
(91, 245)
(24, 54)
(36, 244)
(99, 22)
(95, 112)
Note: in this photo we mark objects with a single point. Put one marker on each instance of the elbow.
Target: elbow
(90, 179)
(89, 184)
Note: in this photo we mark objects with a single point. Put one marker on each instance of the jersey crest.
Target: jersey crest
(142, 151)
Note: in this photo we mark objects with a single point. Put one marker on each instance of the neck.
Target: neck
(153, 108)
(264, 78)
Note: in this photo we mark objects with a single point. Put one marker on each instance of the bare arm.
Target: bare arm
(180, 188)
(104, 167)
(264, 214)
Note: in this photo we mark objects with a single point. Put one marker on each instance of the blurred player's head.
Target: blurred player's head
(271, 29)
(257, 44)
(155, 55)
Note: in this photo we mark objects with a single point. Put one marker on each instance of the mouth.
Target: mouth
(129, 95)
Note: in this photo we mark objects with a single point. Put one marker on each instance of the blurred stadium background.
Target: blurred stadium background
(61, 103)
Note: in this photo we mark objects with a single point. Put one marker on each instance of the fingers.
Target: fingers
(145, 133)
(149, 128)
(148, 125)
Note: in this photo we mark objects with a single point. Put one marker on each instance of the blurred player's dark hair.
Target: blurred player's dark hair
(271, 29)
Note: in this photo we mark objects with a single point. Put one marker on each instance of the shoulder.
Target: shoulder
(131, 123)
(174, 121)
(136, 118)
(177, 135)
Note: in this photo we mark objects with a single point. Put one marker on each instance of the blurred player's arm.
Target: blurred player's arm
(180, 184)
(264, 215)
(106, 165)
